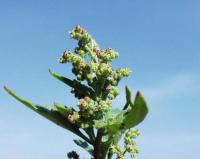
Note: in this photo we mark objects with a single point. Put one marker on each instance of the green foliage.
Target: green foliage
(85, 146)
(138, 110)
(95, 86)
(73, 155)
(111, 121)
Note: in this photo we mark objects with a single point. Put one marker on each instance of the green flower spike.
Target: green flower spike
(95, 85)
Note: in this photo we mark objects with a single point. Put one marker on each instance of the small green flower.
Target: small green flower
(85, 103)
(123, 72)
(118, 151)
(108, 55)
(80, 51)
(113, 92)
(79, 33)
(103, 106)
(73, 117)
(104, 70)
(130, 145)
(68, 56)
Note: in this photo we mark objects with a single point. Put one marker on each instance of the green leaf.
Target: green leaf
(73, 155)
(54, 116)
(111, 121)
(80, 89)
(51, 114)
(137, 112)
(63, 109)
(128, 98)
(84, 145)
(90, 132)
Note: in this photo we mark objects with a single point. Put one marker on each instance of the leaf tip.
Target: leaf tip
(127, 89)
(7, 89)
(50, 71)
(139, 94)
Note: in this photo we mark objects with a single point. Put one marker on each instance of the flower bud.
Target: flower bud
(85, 103)
(130, 145)
(104, 70)
(73, 117)
(112, 92)
(80, 51)
(123, 72)
(108, 55)
(118, 151)
(103, 106)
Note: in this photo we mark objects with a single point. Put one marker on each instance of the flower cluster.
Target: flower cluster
(107, 56)
(73, 117)
(118, 151)
(96, 71)
(83, 117)
(85, 104)
(70, 57)
(130, 145)
(88, 111)
(86, 43)
(103, 106)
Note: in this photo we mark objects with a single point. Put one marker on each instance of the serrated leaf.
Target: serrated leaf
(137, 113)
(81, 89)
(84, 145)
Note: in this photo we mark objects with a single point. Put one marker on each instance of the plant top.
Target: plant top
(93, 120)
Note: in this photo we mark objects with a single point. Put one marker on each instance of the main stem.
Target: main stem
(98, 154)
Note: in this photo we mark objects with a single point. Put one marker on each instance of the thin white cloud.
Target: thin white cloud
(177, 144)
(173, 86)
(171, 138)
(163, 89)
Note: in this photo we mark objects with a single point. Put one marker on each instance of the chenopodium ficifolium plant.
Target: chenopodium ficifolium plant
(98, 126)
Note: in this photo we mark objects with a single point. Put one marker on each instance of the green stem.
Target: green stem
(91, 53)
(109, 155)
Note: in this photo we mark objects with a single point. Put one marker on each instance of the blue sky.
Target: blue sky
(158, 40)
